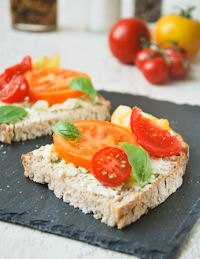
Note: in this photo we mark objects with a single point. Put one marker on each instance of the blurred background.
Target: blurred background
(98, 15)
(78, 32)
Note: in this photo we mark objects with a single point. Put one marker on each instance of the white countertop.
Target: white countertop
(87, 52)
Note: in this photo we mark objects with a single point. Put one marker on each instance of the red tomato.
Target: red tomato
(155, 140)
(27, 63)
(145, 54)
(155, 70)
(110, 166)
(17, 69)
(175, 52)
(179, 65)
(125, 38)
(14, 91)
(3, 80)
(178, 68)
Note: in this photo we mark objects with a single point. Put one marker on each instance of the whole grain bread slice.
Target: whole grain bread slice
(41, 123)
(118, 206)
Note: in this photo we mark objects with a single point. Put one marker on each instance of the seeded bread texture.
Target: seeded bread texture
(40, 125)
(118, 206)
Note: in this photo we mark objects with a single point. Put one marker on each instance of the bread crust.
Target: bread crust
(25, 130)
(118, 212)
(158, 192)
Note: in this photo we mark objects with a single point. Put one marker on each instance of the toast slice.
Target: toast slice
(39, 121)
(115, 206)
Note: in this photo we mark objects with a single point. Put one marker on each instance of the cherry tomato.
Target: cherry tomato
(110, 166)
(179, 68)
(155, 70)
(95, 135)
(158, 142)
(14, 91)
(52, 85)
(179, 65)
(175, 52)
(125, 38)
(145, 54)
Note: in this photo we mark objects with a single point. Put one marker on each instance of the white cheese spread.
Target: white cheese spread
(68, 170)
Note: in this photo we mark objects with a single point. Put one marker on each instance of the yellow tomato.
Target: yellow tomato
(185, 31)
(52, 61)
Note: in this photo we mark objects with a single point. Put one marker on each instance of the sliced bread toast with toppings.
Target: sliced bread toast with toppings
(115, 206)
(34, 95)
(41, 117)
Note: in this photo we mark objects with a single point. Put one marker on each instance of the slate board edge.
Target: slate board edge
(102, 92)
(137, 250)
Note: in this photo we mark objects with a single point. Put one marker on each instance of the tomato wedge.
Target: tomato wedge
(18, 69)
(52, 85)
(155, 140)
(96, 135)
(14, 91)
(110, 166)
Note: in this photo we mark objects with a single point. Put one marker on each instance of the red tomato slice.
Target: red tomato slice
(155, 140)
(13, 85)
(16, 70)
(52, 85)
(14, 91)
(96, 135)
(110, 166)
(3, 80)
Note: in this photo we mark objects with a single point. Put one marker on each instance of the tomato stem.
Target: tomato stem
(147, 44)
(187, 12)
(173, 42)
(144, 43)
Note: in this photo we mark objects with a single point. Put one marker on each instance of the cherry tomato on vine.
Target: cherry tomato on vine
(179, 65)
(175, 52)
(178, 68)
(156, 70)
(145, 54)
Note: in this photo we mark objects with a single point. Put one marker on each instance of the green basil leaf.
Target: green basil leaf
(84, 85)
(66, 129)
(140, 163)
(11, 113)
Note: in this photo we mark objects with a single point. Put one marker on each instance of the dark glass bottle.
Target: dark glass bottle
(34, 15)
(148, 10)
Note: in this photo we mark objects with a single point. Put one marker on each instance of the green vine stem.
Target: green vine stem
(187, 13)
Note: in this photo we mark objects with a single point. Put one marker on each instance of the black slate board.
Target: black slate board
(156, 235)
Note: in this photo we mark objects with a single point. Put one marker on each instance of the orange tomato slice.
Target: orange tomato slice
(96, 135)
(52, 85)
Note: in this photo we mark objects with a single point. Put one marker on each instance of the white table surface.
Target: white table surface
(87, 52)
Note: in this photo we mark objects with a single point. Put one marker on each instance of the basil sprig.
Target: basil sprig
(66, 129)
(84, 85)
(140, 163)
(11, 113)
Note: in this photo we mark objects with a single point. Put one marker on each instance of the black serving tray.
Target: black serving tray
(156, 235)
